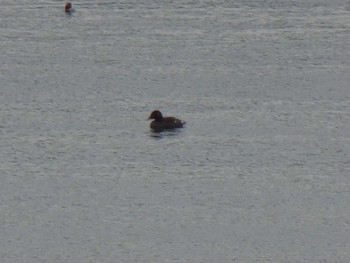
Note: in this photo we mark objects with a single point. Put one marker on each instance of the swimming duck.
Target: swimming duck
(161, 123)
(68, 8)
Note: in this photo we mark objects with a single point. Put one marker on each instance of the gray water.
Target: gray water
(260, 173)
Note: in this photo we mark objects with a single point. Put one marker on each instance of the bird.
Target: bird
(68, 8)
(161, 123)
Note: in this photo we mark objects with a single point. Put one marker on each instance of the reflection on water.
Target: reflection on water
(164, 134)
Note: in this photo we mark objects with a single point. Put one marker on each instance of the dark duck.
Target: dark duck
(68, 7)
(161, 123)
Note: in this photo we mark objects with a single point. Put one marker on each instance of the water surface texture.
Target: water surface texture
(261, 173)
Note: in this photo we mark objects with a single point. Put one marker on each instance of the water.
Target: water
(259, 174)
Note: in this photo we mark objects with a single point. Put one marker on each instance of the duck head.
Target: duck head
(156, 115)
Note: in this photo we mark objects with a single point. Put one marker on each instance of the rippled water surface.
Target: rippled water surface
(260, 173)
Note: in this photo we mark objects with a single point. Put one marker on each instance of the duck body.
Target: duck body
(161, 123)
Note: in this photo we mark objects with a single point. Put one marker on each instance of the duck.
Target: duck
(161, 123)
(68, 7)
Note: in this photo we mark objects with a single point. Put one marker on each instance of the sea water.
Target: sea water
(260, 173)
